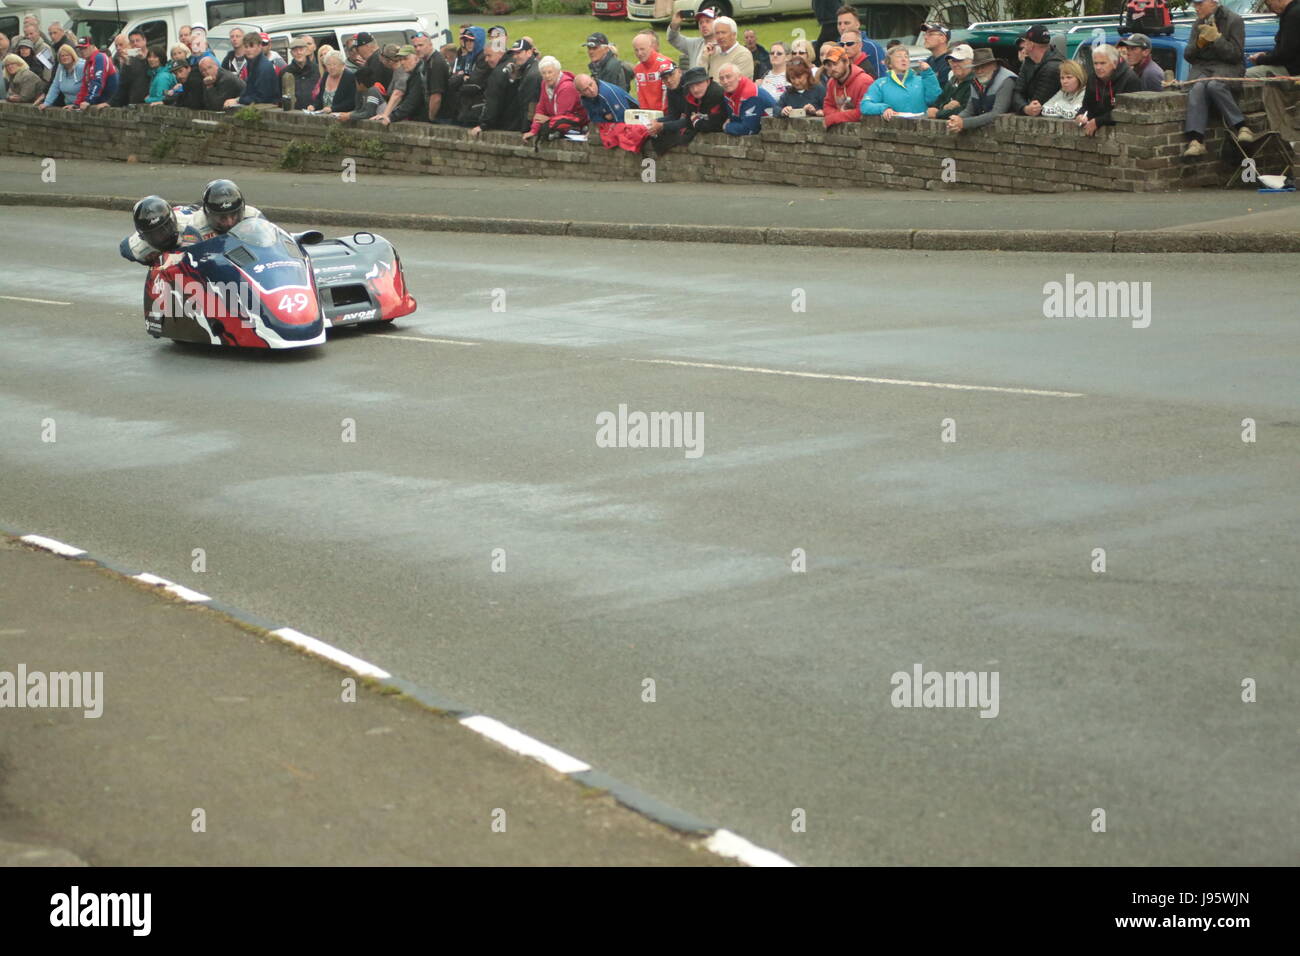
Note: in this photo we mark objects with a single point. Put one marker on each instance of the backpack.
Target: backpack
(1150, 17)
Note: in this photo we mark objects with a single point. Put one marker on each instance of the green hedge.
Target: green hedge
(499, 8)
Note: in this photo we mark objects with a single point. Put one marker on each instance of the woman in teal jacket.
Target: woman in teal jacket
(901, 90)
(161, 78)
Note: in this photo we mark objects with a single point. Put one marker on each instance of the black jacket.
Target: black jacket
(1286, 45)
(712, 107)
(527, 82)
(345, 97)
(499, 110)
(304, 81)
(612, 70)
(229, 63)
(132, 83)
(1037, 81)
(227, 86)
(1099, 96)
(414, 106)
(191, 95)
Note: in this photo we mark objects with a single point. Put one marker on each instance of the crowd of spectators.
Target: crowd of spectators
(724, 82)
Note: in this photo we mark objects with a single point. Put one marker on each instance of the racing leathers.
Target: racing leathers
(192, 225)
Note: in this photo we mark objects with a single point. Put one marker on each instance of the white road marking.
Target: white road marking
(319, 647)
(523, 744)
(726, 843)
(19, 298)
(414, 338)
(865, 378)
(49, 544)
(180, 590)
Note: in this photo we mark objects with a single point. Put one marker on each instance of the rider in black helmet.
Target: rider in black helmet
(155, 224)
(223, 204)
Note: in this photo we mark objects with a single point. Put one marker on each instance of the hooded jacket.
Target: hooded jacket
(1099, 95)
(911, 93)
(851, 92)
(608, 105)
(1037, 81)
(464, 62)
(65, 85)
(748, 104)
(560, 101)
(1226, 55)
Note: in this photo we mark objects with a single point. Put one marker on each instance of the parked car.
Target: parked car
(1167, 51)
(609, 9)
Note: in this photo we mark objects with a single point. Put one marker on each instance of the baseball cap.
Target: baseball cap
(389, 51)
(710, 12)
(467, 32)
(32, 46)
(299, 42)
(962, 51)
(596, 39)
(669, 67)
(363, 38)
(1138, 40)
(520, 45)
(831, 52)
(1037, 34)
(935, 28)
(407, 50)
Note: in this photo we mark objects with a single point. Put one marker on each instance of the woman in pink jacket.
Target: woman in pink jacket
(559, 108)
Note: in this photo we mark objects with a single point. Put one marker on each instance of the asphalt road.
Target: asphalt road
(1118, 690)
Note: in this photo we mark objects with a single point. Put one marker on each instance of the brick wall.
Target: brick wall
(1014, 154)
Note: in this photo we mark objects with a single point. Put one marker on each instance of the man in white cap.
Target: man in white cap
(956, 91)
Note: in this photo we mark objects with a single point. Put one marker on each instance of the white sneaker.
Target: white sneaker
(1244, 135)
(1194, 148)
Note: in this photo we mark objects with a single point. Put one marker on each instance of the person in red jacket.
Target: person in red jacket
(559, 107)
(649, 70)
(845, 87)
(99, 82)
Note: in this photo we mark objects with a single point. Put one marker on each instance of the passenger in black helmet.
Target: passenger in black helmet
(224, 204)
(155, 222)
(222, 208)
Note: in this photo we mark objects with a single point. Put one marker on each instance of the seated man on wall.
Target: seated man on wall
(1284, 58)
(1215, 50)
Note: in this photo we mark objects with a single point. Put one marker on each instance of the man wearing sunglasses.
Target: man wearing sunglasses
(935, 36)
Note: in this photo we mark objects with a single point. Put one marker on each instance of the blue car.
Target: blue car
(1167, 51)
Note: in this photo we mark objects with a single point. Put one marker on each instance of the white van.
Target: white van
(387, 26)
(161, 20)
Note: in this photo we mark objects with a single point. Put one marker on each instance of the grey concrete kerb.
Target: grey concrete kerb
(945, 240)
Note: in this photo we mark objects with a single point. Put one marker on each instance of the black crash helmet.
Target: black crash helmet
(223, 198)
(155, 222)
